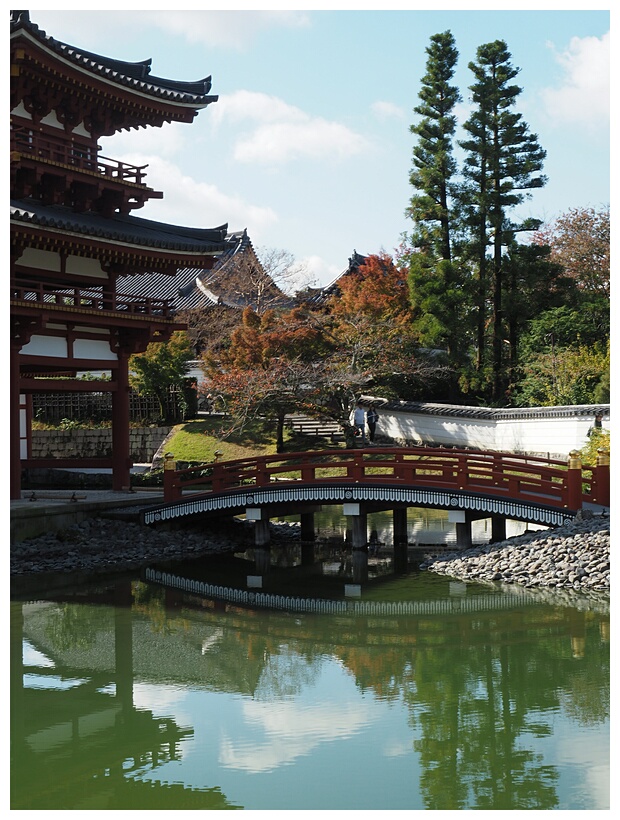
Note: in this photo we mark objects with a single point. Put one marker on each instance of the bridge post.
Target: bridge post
(602, 477)
(401, 547)
(463, 527)
(400, 525)
(574, 490)
(307, 526)
(261, 525)
(498, 528)
(359, 561)
(170, 466)
(359, 525)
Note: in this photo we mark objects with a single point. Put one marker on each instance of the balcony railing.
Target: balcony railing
(80, 155)
(89, 299)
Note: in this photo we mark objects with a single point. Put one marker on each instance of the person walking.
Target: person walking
(372, 417)
(358, 420)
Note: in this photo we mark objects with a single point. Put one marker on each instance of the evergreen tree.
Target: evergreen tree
(433, 162)
(502, 167)
(435, 284)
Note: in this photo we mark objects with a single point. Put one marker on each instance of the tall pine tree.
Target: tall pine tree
(434, 281)
(502, 167)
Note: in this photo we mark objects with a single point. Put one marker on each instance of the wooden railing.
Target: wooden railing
(501, 475)
(89, 299)
(81, 155)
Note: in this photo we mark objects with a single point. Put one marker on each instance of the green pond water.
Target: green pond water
(421, 692)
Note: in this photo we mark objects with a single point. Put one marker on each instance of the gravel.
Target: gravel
(574, 556)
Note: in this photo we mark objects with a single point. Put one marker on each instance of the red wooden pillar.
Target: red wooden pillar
(121, 461)
(602, 477)
(14, 426)
(574, 498)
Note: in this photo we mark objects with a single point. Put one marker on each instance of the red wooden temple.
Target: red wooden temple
(73, 236)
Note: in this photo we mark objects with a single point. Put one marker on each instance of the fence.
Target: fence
(52, 408)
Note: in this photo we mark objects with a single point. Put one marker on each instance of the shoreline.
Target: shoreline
(574, 556)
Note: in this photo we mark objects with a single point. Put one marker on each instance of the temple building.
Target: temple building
(76, 246)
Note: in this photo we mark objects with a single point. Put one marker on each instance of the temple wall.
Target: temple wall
(544, 431)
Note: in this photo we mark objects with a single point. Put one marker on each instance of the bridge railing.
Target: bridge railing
(504, 475)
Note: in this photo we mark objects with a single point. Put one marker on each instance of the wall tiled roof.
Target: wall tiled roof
(490, 413)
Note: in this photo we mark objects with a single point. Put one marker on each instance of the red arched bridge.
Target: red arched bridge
(478, 484)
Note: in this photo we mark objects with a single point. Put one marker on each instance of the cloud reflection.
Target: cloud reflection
(292, 731)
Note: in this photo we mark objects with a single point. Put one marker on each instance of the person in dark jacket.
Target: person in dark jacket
(372, 417)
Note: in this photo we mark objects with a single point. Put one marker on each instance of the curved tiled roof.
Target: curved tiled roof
(133, 75)
(196, 287)
(121, 228)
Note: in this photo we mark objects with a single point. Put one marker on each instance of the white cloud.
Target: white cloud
(228, 29)
(198, 204)
(320, 271)
(584, 95)
(384, 110)
(283, 132)
(215, 29)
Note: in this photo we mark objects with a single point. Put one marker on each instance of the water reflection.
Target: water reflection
(137, 696)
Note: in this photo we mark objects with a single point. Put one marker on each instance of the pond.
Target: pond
(421, 693)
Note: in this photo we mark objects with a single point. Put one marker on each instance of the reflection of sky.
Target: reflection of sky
(326, 744)
(583, 763)
(32, 656)
(312, 749)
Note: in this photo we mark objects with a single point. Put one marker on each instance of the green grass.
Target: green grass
(198, 441)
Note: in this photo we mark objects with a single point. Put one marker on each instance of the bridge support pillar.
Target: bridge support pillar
(358, 521)
(262, 561)
(463, 527)
(307, 526)
(400, 526)
(359, 563)
(498, 528)
(261, 525)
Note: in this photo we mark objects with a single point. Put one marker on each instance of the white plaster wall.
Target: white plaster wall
(553, 436)
(97, 349)
(54, 346)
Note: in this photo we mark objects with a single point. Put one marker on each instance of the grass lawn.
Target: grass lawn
(198, 441)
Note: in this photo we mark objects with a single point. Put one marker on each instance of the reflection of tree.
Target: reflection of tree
(73, 627)
(287, 673)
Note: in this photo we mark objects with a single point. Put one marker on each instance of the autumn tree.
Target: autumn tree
(580, 242)
(371, 329)
(268, 370)
(266, 279)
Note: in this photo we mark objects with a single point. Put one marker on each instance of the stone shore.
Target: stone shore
(574, 556)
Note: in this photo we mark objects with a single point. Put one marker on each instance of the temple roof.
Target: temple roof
(196, 287)
(121, 228)
(317, 296)
(135, 76)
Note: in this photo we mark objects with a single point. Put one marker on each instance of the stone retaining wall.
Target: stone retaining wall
(96, 443)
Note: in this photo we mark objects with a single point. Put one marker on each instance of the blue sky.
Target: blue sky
(309, 146)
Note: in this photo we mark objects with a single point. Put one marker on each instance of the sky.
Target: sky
(308, 146)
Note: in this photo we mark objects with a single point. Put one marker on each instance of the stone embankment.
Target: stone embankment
(574, 556)
(98, 545)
